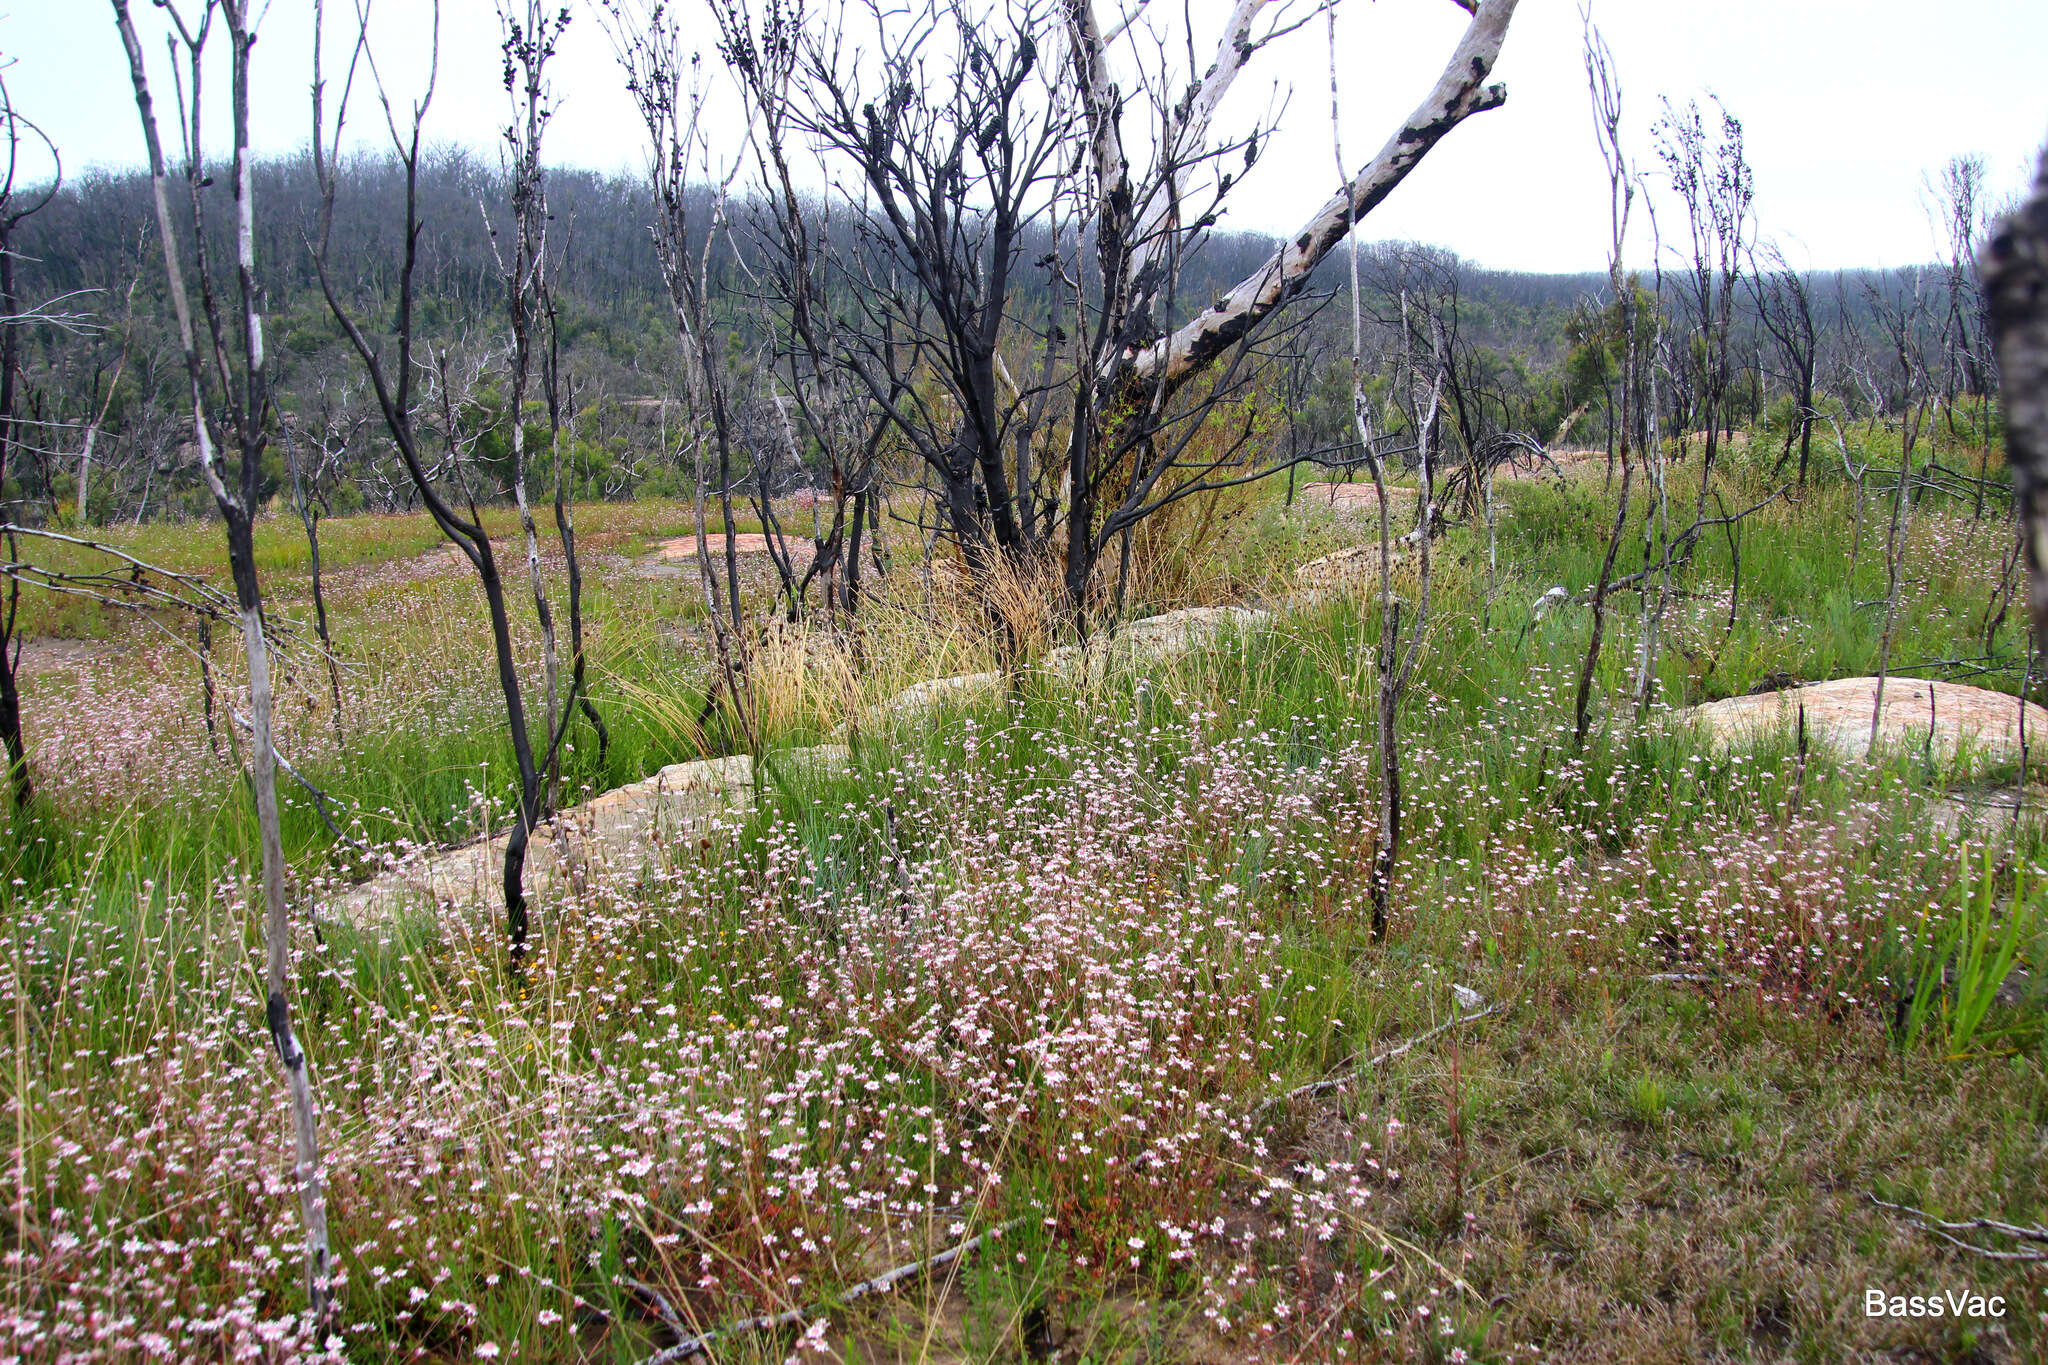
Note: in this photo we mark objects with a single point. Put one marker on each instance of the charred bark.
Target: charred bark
(2015, 277)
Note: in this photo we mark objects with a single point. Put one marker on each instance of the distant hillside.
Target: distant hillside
(94, 245)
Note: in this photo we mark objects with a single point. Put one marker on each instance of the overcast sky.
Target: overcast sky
(1848, 105)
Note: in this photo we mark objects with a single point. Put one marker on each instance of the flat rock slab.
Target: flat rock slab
(920, 702)
(1153, 639)
(1948, 720)
(624, 827)
(52, 654)
(1992, 815)
(1169, 635)
(622, 830)
(1353, 564)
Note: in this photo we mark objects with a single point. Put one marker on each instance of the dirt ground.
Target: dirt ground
(47, 654)
(684, 547)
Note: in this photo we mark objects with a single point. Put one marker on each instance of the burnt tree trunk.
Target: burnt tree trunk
(20, 781)
(2015, 275)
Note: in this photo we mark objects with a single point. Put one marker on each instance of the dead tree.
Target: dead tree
(955, 171)
(16, 206)
(1903, 322)
(1137, 407)
(531, 36)
(1649, 365)
(227, 370)
(827, 384)
(559, 393)
(99, 400)
(662, 79)
(1784, 309)
(1715, 189)
(391, 367)
(2014, 272)
(529, 41)
(314, 448)
(1386, 727)
(956, 132)
(1966, 367)
(1394, 667)
(1605, 91)
(1711, 176)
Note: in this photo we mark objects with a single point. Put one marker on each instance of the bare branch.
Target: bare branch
(1459, 93)
(1945, 1230)
(796, 1317)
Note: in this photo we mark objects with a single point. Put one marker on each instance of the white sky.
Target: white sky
(1848, 105)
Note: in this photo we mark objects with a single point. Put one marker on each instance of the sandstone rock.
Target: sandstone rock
(1991, 814)
(1353, 564)
(620, 830)
(1947, 720)
(1357, 497)
(922, 701)
(820, 760)
(685, 547)
(623, 828)
(1153, 639)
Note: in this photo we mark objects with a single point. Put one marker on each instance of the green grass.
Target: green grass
(1652, 1172)
(420, 755)
(1608, 1167)
(283, 561)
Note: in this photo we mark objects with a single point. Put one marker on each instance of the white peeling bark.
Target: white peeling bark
(92, 436)
(1102, 104)
(1232, 52)
(1187, 129)
(245, 246)
(536, 579)
(276, 921)
(1460, 92)
(277, 943)
(526, 287)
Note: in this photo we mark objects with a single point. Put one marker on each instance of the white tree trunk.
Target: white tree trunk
(92, 435)
(276, 923)
(1459, 93)
(277, 945)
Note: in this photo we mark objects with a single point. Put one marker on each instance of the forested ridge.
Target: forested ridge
(112, 359)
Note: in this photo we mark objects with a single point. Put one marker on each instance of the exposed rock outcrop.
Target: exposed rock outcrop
(623, 829)
(1949, 722)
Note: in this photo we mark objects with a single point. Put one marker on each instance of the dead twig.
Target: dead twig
(1698, 979)
(1945, 1230)
(796, 1317)
(1330, 1084)
(320, 798)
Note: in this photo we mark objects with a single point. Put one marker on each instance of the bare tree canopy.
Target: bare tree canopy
(1460, 92)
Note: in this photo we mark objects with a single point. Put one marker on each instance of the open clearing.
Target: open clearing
(846, 1007)
(685, 547)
